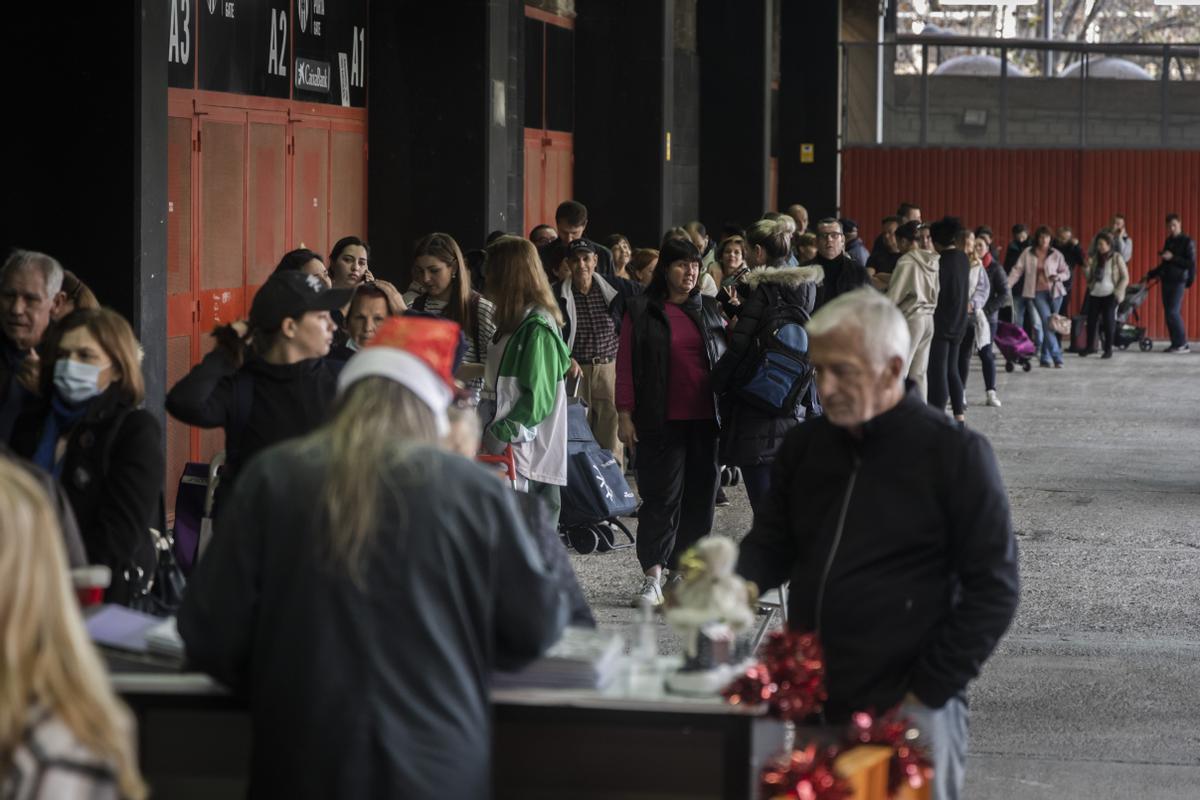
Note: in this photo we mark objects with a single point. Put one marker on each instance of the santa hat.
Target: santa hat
(415, 352)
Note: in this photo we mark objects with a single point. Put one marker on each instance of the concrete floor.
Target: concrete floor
(1093, 693)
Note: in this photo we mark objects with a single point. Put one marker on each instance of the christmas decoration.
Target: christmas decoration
(806, 774)
(909, 765)
(790, 678)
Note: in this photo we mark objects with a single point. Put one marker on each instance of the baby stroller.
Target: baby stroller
(596, 494)
(1015, 346)
(1130, 332)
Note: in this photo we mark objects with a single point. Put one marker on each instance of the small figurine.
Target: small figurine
(709, 607)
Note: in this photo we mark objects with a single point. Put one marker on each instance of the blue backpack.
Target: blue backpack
(777, 374)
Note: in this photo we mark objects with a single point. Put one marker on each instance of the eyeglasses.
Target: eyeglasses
(830, 235)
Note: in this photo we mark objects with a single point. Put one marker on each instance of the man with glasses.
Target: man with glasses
(842, 273)
(29, 286)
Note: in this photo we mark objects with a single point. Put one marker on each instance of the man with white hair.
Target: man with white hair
(892, 525)
(29, 286)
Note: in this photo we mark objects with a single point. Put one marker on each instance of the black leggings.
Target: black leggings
(944, 380)
(678, 478)
(965, 348)
(1101, 310)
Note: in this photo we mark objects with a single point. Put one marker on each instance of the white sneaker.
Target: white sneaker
(651, 592)
(993, 399)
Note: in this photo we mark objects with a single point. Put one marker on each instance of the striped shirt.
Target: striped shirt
(477, 345)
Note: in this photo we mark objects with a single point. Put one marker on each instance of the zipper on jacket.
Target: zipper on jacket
(837, 540)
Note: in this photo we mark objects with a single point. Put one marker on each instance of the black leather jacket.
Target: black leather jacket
(651, 349)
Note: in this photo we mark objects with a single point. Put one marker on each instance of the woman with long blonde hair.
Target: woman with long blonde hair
(63, 733)
(364, 585)
(526, 367)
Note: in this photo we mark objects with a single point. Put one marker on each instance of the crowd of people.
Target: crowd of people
(347, 505)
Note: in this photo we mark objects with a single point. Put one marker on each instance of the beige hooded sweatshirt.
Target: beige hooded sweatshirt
(914, 286)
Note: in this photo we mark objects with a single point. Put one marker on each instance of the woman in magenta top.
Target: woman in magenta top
(671, 338)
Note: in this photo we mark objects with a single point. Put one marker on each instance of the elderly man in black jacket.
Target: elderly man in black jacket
(592, 309)
(29, 286)
(892, 525)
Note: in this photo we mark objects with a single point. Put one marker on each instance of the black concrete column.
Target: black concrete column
(809, 85)
(84, 156)
(624, 87)
(149, 198)
(734, 38)
(444, 131)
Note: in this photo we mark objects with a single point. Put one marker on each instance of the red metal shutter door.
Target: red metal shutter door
(347, 206)
(310, 187)
(267, 196)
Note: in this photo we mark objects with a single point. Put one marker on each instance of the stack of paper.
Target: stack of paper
(582, 659)
(125, 629)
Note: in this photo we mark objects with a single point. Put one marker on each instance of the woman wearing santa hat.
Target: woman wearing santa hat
(364, 585)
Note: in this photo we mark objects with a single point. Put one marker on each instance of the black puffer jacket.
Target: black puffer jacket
(112, 473)
(651, 349)
(899, 549)
(749, 437)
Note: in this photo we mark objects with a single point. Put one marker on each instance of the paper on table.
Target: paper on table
(164, 638)
(117, 626)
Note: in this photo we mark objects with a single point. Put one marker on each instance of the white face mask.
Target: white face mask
(75, 381)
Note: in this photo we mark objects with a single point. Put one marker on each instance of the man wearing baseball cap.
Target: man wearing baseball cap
(268, 380)
(365, 587)
(592, 307)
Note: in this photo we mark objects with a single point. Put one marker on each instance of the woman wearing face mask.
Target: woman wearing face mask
(671, 339)
(280, 387)
(105, 451)
(445, 291)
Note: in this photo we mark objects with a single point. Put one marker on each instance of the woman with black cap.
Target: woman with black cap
(269, 380)
(671, 338)
(949, 318)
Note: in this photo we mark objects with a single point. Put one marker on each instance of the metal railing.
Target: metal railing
(1157, 57)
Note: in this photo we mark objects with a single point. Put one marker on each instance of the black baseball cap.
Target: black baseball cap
(580, 246)
(293, 294)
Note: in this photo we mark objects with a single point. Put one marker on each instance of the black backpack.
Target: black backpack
(776, 373)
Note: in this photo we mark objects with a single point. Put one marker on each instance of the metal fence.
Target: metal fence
(951, 91)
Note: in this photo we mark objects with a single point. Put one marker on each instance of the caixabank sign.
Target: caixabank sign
(309, 50)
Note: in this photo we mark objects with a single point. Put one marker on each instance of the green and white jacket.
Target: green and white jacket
(527, 369)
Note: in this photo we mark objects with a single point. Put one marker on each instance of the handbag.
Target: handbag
(162, 594)
(1060, 324)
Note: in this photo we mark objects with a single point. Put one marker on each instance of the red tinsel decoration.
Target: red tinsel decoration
(806, 774)
(790, 678)
(910, 765)
(791, 681)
